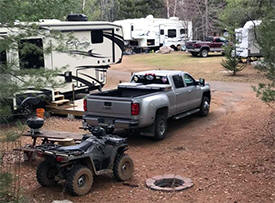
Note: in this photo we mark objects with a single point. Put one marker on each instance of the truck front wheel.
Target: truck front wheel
(160, 126)
(204, 53)
(205, 106)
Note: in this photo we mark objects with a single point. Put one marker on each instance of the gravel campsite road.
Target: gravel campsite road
(229, 155)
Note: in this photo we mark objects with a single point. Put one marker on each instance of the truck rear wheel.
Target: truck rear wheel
(79, 180)
(160, 126)
(204, 53)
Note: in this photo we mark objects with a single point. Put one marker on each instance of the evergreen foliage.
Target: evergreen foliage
(266, 40)
(231, 62)
(140, 8)
(236, 14)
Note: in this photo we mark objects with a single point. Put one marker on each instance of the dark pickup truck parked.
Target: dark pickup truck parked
(202, 48)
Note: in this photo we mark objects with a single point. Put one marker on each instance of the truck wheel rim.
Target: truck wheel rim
(162, 127)
(206, 106)
(204, 53)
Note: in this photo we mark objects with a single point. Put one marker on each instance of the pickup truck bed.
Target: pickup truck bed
(124, 92)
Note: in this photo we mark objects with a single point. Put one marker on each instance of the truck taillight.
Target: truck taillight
(135, 109)
(85, 104)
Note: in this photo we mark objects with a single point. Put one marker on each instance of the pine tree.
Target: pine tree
(231, 62)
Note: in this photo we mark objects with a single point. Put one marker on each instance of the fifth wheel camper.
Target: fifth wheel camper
(94, 46)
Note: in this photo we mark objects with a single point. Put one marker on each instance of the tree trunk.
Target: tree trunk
(175, 7)
(168, 8)
(206, 18)
(83, 5)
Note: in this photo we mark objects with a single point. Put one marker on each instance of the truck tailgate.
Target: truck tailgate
(109, 106)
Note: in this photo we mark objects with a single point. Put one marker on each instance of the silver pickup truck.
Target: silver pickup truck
(147, 101)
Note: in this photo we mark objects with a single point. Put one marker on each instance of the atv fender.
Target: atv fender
(119, 151)
(87, 161)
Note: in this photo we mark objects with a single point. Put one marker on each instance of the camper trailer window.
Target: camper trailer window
(162, 32)
(183, 31)
(31, 53)
(97, 36)
(172, 33)
(3, 57)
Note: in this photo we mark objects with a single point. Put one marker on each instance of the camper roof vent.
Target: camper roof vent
(77, 17)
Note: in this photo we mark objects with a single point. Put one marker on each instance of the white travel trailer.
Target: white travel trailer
(151, 33)
(89, 52)
(246, 46)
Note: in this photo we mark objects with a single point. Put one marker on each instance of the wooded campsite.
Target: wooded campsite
(137, 100)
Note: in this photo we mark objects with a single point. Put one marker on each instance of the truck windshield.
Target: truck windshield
(150, 79)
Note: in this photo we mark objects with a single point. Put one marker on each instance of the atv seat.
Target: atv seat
(83, 146)
(115, 140)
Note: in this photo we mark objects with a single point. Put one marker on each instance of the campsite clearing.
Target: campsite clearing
(229, 155)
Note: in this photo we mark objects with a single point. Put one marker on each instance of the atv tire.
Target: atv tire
(123, 167)
(79, 180)
(46, 172)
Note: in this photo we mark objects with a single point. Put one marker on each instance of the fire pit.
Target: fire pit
(170, 182)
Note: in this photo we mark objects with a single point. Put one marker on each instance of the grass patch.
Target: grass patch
(174, 60)
(209, 68)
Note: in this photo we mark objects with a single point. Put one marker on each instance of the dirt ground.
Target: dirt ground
(229, 155)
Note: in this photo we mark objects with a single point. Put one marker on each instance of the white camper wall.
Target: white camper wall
(146, 31)
(246, 45)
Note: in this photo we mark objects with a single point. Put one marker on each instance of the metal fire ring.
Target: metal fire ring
(169, 182)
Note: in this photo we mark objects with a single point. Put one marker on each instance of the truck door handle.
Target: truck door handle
(109, 104)
(189, 91)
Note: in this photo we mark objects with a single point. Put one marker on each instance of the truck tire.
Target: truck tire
(79, 180)
(46, 172)
(205, 106)
(123, 167)
(204, 53)
(194, 53)
(160, 126)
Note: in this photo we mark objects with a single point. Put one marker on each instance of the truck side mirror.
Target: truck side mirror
(202, 81)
